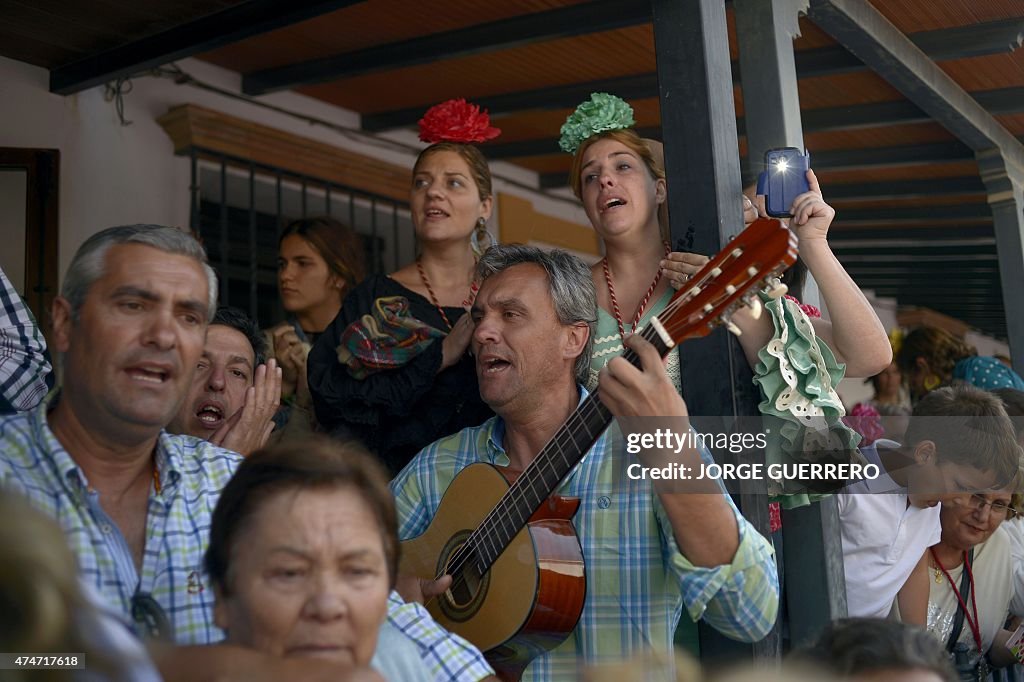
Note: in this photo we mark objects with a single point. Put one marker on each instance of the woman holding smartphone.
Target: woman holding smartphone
(622, 186)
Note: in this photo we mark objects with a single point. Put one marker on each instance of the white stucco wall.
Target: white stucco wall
(109, 174)
(113, 174)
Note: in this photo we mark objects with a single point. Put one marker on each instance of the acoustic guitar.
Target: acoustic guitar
(509, 544)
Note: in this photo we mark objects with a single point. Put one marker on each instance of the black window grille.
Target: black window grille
(239, 208)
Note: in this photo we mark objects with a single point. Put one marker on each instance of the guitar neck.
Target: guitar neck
(549, 468)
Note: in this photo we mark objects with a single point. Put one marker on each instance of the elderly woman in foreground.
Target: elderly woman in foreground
(303, 552)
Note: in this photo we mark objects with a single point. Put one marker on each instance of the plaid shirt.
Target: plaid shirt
(637, 580)
(192, 474)
(448, 656)
(23, 363)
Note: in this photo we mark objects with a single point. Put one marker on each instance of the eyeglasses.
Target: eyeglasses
(978, 502)
(150, 619)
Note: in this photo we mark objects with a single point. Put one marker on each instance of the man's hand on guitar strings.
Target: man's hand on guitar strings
(648, 392)
(421, 590)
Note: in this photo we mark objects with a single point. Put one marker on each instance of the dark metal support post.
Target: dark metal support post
(815, 588)
(702, 164)
(1005, 185)
(765, 30)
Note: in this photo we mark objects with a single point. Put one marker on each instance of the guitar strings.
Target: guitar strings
(475, 541)
(590, 408)
(474, 544)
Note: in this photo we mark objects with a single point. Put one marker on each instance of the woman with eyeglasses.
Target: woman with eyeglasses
(971, 586)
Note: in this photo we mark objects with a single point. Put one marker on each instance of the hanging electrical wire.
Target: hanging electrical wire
(115, 92)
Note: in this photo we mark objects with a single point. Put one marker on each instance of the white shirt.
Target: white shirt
(1015, 532)
(883, 539)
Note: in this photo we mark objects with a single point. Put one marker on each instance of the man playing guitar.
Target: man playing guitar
(648, 553)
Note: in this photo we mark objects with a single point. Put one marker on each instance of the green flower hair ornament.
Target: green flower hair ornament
(599, 114)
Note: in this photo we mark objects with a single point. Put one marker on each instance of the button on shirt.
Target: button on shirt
(637, 580)
(192, 474)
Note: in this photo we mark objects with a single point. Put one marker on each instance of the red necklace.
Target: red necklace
(473, 288)
(643, 302)
(974, 623)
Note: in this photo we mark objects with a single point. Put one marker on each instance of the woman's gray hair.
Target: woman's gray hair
(89, 263)
(572, 289)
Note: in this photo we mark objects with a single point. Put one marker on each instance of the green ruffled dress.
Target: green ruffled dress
(802, 414)
(797, 374)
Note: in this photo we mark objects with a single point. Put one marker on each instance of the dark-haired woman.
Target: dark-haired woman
(319, 261)
(931, 357)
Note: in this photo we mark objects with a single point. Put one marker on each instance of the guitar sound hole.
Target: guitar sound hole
(469, 586)
(465, 586)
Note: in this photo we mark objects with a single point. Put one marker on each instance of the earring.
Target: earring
(931, 382)
(481, 234)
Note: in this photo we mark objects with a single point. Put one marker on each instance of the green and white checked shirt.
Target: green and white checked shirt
(192, 474)
(637, 580)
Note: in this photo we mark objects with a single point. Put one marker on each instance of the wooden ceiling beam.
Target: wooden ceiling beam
(906, 189)
(865, 32)
(543, 146)
(229, 25)
(837, 159)
(974, 40)
(564, 22)
(877, 114)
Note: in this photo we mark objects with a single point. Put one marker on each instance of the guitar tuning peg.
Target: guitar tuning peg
(754, 303)
(776, 289)
(733, 329)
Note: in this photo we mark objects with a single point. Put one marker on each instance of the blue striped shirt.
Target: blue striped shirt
(637, 580)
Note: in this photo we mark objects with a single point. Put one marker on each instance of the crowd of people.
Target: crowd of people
(197, 498)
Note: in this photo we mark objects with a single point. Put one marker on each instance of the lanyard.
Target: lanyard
(974, 623)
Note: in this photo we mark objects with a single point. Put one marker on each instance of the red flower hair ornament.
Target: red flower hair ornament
(456, 121)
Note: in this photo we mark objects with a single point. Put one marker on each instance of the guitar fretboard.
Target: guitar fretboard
(548, 469)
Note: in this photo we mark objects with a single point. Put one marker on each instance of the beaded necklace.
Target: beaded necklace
(473, 288)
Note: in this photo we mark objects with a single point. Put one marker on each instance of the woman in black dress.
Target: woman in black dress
(426, 386)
